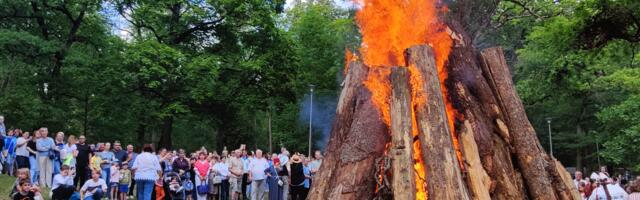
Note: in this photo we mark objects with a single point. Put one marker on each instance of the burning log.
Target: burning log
(403, 181)
(357, 140)
(443, 171)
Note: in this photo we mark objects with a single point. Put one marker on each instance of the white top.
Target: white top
(59, 179)
(222, 170)
(90, 187)
(146, 167)
(67, 150)
(283, 159)
(114, 175)
(21, 150)
(257, 168)
(616, 192)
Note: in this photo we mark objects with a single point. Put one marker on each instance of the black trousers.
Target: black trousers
(297, 192)
(245, 178)
(22, 162)
(82, 174)
(63, 192)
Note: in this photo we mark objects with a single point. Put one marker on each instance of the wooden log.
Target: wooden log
(473, 97)
(540, 173)
(478, 180)
(444, 177)
(401, 152)
(357, 139)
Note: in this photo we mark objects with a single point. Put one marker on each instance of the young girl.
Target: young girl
(125, 179)
(114, 180)
(94, 188)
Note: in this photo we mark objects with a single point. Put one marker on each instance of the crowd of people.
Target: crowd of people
(601, 186)
(75, 169)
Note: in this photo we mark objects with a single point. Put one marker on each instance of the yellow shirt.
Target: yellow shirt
(95, 163)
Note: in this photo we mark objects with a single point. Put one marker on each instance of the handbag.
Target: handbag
(188, 185)
(203, 188)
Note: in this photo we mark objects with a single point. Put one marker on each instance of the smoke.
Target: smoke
(324, 110)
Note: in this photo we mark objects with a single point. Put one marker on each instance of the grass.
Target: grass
(6, 185)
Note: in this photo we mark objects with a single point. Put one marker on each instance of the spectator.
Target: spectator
(146, 168)
(82, 160)
(181, 164)
(21, 174)
(57, 152)
(3, 129)
(307, 178)
(635, 190)
(235, 174)
(245, 172)
(314, 166)
(118, 152)
(69, 153)
(125, 180)
(22, 154)
(578, 179)
(607, 190)
(62, 184)
(33, 161)
(297, 177)
(107, 158)
(273, 179)
(284, 175)
(94, 188)
(131, 157)
(9, 150)
(45, 146)
(202, 172)
(114, 178)
(96, 161)
(26, 191)
(221, 171)
(257, 175)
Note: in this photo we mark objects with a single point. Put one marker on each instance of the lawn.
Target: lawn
(6, 184)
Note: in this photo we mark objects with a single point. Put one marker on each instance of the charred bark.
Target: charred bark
(403, 179)
(358, 138)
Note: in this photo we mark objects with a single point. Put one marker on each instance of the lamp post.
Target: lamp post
(550, 140)
(311, 86)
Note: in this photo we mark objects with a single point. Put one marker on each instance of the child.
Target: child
(94, 188)
(125, 179)
(95, 163)
(22, 174)
(26, 191)
(114, 179)
(177, 191)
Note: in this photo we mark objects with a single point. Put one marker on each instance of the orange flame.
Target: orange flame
(388, 27)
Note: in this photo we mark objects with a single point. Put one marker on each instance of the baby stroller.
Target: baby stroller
(176, 189)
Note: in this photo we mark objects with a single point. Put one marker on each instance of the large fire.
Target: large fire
(388, 27)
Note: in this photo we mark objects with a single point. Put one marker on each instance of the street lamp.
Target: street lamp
(550, 140)
(311, 86)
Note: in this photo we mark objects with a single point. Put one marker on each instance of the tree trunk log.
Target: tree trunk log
(358, 138)
(403, 179)
(444, 178)
(541, 175)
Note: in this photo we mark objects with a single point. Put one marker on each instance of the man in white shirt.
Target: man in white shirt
(257, 175)
(578, 179)
(22, 154)
(94, 188)
(608, 190)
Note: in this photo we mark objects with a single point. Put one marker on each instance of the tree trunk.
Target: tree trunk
(403, 179)
(541, 175)
(165, 132)
(141, 130)
(444, 178)
(358, 139)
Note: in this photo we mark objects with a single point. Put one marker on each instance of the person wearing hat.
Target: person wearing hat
(607, 190)
(296, 172)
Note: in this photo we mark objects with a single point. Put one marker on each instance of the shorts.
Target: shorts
(114, 185)
(124, 188)
(235, 185)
